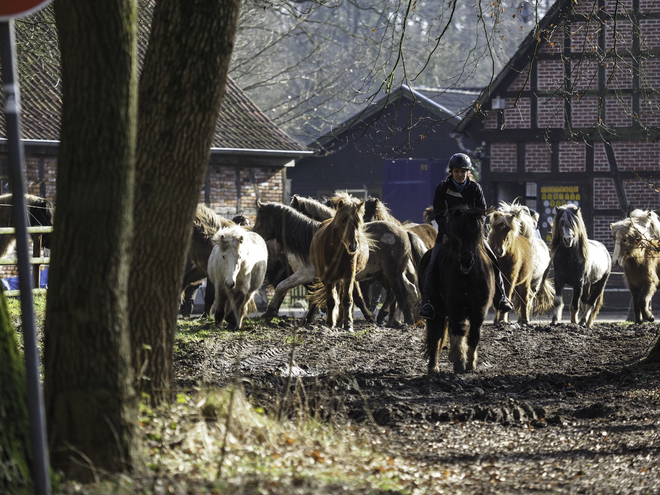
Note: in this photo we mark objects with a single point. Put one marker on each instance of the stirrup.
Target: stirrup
(427, 312)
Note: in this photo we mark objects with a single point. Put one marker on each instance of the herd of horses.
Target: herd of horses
(342, 248)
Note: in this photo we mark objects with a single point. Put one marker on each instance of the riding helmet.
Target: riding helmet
(460, 161)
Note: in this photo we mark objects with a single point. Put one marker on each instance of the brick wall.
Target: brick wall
(641, 196)
(520, 80)
(503, 157)
(637, 156)
(604, 194)
(649, 34)
(538, 157)
(550, 112)
(516, 113)
(649, 110)
(490, 121)
(571, 157)
(602, 230)
(650, 73)
(584, 37)
(554, 41)
(621, 38)
(584, 74)
(618, 111)
(585, 111)
(601, 164)
(551, 75)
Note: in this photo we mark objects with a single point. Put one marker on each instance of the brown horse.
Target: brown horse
(637, 250)
(514, 252)
(312, 208)
(339, 250)
(375, 209)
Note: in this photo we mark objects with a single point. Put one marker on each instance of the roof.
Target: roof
(242, 127)
(519, 61)
(445, 104)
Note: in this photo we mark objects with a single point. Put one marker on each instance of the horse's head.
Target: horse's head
(569, 228)
(230, 241)
(634, 233)
(465, 233)
(504, 227)
(348, 222)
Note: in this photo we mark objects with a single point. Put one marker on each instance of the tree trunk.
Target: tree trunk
(91, 404)
(181, 89)
(15, 454)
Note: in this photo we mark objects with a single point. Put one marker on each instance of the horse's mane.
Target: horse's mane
(348, 207)
(429, 214)
(571, 215)
(375, 209)
(231, 235)
(312, 208)
(526, 222)
(294, 230)
(207, 222)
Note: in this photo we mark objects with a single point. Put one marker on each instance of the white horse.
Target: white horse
(237, 267)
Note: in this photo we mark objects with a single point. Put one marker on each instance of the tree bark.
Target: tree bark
(181, 89)
(91, 404)
(15, 454)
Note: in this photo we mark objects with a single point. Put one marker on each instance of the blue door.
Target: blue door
(409, 185)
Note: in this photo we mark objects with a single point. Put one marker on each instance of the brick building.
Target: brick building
(574, 115)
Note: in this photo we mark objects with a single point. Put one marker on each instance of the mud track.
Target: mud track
(550, 409)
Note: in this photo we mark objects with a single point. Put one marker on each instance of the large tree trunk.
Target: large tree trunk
(90, 400)
(181, 89)
(15, 454)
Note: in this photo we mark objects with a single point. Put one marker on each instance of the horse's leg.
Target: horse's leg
(637, 302)
(330, 305)
(646, 294)
(209, 297)
(303, 276)
(592, 303)
(220, 303)
(436, 335)
(457, 344)
(474, 336)
(347, 303)
(558, 303)
(387, 307)
(525, 296)
(575, 301)
(239, 309)
(403, 298)
(361, 303)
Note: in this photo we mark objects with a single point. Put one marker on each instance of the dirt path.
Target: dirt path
(550, 409)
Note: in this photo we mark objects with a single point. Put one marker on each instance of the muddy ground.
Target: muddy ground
(550, 409)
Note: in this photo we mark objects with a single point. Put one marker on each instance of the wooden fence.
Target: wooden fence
(37, 260)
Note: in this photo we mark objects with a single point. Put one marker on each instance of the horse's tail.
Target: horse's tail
(316, 294)
(544, 298)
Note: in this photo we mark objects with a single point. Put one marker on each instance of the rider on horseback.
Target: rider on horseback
(458, 189)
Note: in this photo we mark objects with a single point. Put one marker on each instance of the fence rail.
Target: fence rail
(36, 259)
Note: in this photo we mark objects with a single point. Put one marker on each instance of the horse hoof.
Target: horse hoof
(651, 318)
(459, 367)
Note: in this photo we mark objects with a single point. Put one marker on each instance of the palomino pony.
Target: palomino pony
(40, 213)
(465, 289)
(637, 250)
(523, 258)
(236, 268)
(339, 250)
(580, 262)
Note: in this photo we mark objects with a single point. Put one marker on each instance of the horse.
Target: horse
(523, 258)
(375, 209)
(205, 224)
(392, 262)
(465, 289)
(236, 267)
(40, 213)
(339, 250)
(580, 262)
(637, 250)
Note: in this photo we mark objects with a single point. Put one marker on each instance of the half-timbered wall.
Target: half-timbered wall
(578, 117)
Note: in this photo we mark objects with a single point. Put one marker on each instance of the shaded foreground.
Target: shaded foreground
(550, 410)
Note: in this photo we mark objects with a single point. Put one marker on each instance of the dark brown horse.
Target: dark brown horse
(312, 208)
(465, 288)
(339, 250)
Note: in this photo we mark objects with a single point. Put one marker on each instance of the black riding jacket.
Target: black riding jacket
(447, 197)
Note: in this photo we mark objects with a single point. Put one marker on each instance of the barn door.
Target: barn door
(409, 185)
